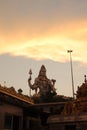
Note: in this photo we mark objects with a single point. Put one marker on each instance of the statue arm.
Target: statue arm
(53, 85)
(32, 86)
(29, 83)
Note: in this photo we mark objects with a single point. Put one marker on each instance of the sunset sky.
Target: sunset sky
(36, 32)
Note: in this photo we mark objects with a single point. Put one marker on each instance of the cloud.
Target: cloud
(53, 49)
(50, 43)
(44, 29)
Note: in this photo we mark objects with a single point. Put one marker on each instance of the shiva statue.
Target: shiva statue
(42, 85)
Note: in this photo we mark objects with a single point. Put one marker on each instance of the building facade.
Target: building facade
(12, 107)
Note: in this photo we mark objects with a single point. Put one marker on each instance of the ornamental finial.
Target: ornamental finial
(85, 79)
(30, 72)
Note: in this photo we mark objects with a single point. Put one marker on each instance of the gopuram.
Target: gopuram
(44, 88)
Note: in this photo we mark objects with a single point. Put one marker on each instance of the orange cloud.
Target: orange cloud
(51, 42)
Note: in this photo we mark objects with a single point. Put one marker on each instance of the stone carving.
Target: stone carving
(42, 85)
(70, 108)
(80, 104)
(81, 97)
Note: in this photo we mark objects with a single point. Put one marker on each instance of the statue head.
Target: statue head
(42, 71)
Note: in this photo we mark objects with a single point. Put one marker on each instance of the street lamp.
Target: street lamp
(70, 51)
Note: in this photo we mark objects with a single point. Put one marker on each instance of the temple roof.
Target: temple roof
(10, 92)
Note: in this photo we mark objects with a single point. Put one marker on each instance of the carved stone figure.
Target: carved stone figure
(42, 83)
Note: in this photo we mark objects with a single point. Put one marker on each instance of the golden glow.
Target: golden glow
(52, 44)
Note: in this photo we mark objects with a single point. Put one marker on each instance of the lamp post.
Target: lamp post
(70, 51)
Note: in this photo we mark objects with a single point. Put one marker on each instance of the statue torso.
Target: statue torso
(43, 84)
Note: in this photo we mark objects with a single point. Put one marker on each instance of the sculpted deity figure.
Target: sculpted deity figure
(42, 83)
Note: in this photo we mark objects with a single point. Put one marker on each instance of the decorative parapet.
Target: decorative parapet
(62, 119)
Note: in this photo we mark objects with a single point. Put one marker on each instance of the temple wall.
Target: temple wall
(14, 112)
(68, 122)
